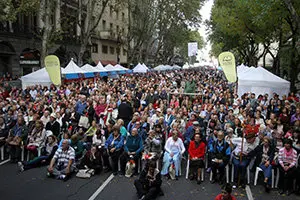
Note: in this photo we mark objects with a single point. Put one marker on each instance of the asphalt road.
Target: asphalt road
(33, 184)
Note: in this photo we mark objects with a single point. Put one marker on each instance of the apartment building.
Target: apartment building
(20, 41)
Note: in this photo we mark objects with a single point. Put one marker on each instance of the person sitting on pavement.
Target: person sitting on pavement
(45, 158)
(77, 145)
(174, 149)
(113, 149)
(287, 160)
(63, 162)
(133, 147)
(226, 193)
(197, 153)
(17, 137)
(148, 185)
(92, 160)
(220, 154)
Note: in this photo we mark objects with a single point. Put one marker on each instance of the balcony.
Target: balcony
(108, 35)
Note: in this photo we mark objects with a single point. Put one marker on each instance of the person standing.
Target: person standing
(125, 111)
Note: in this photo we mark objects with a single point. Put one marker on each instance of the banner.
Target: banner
(192, 49)
(227, 62)
(52, 66)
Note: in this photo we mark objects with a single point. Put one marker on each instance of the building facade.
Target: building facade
(20, 41)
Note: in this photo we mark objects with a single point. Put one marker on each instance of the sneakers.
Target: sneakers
(21, 166)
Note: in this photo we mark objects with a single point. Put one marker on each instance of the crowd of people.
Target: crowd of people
(157, 120)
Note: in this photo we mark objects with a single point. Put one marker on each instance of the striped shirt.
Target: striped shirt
(62, 157)
(287, 159)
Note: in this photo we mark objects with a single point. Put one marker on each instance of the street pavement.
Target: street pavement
(34, 185)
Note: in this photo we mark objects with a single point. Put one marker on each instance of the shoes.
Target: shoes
(121, 173)
(288, 193)
(176, 177)
(49, 175)
(115, 173)
(107, 170)
(198, 181)
(280, 191)
(142, 198)
(267, 188)
(21, 166)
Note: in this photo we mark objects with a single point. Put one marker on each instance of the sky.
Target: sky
(205, 13)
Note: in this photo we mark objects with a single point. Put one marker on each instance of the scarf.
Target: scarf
(288, 153)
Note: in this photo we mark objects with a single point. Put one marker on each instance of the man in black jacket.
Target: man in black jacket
(125, 111)
(148, 185)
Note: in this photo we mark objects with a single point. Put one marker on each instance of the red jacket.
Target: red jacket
(220, 197)
(197, 152)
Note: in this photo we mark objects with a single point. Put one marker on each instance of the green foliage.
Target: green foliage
(159, 27)
(10, 8)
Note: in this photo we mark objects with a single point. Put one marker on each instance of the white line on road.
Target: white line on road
(249, 193)
(5, 161)
(102, 187)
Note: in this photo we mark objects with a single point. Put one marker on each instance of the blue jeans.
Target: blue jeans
(267, 172)
(36, 162)
(240, 167)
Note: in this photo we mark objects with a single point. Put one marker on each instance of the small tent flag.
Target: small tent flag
(52, 66)
(227, 62)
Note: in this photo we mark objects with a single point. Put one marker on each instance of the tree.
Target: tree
(90, 13)
(159, 27)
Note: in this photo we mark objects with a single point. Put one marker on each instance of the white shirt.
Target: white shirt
(247, 147)
(171, 144)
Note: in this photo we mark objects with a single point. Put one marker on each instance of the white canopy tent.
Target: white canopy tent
(89, 68)
(140, 68)
(120, 68)
(109, 68)
(39, 77)
(186, 66)
(162, 67)
(261, 81)
(72, 68)
(176, 67)
(100, 67)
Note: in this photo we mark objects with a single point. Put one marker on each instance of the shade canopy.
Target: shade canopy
(260, 81)
(140, 68)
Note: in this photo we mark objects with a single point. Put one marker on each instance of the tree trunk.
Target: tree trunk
(45, 11)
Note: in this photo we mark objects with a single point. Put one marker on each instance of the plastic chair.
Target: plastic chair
(2, 152)
(248, 173)
(227, 174)
(188, 168)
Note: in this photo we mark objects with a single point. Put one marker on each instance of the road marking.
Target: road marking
(249, 193)
(100, 189)
(5, 161)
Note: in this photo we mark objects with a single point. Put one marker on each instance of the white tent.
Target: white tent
(185, 66)
(39, 77)
(162, 67)
(261, 81)
(72, 68)
(109, 68)
(100, 67)
(176, 67)
(140, 68)
(120, 67)
(89, 68)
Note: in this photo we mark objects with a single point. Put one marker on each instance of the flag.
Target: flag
(53, 68)
(227, 62)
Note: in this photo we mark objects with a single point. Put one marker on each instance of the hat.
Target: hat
(250, 135)
(158, 110)
(53, 115)
(196, 123)
(234, 104)
(251, 130)
(48, 133)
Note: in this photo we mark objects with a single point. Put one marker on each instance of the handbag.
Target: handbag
(84, 122)
(85, 173)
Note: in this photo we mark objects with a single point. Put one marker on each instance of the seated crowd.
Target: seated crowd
(149, 123)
